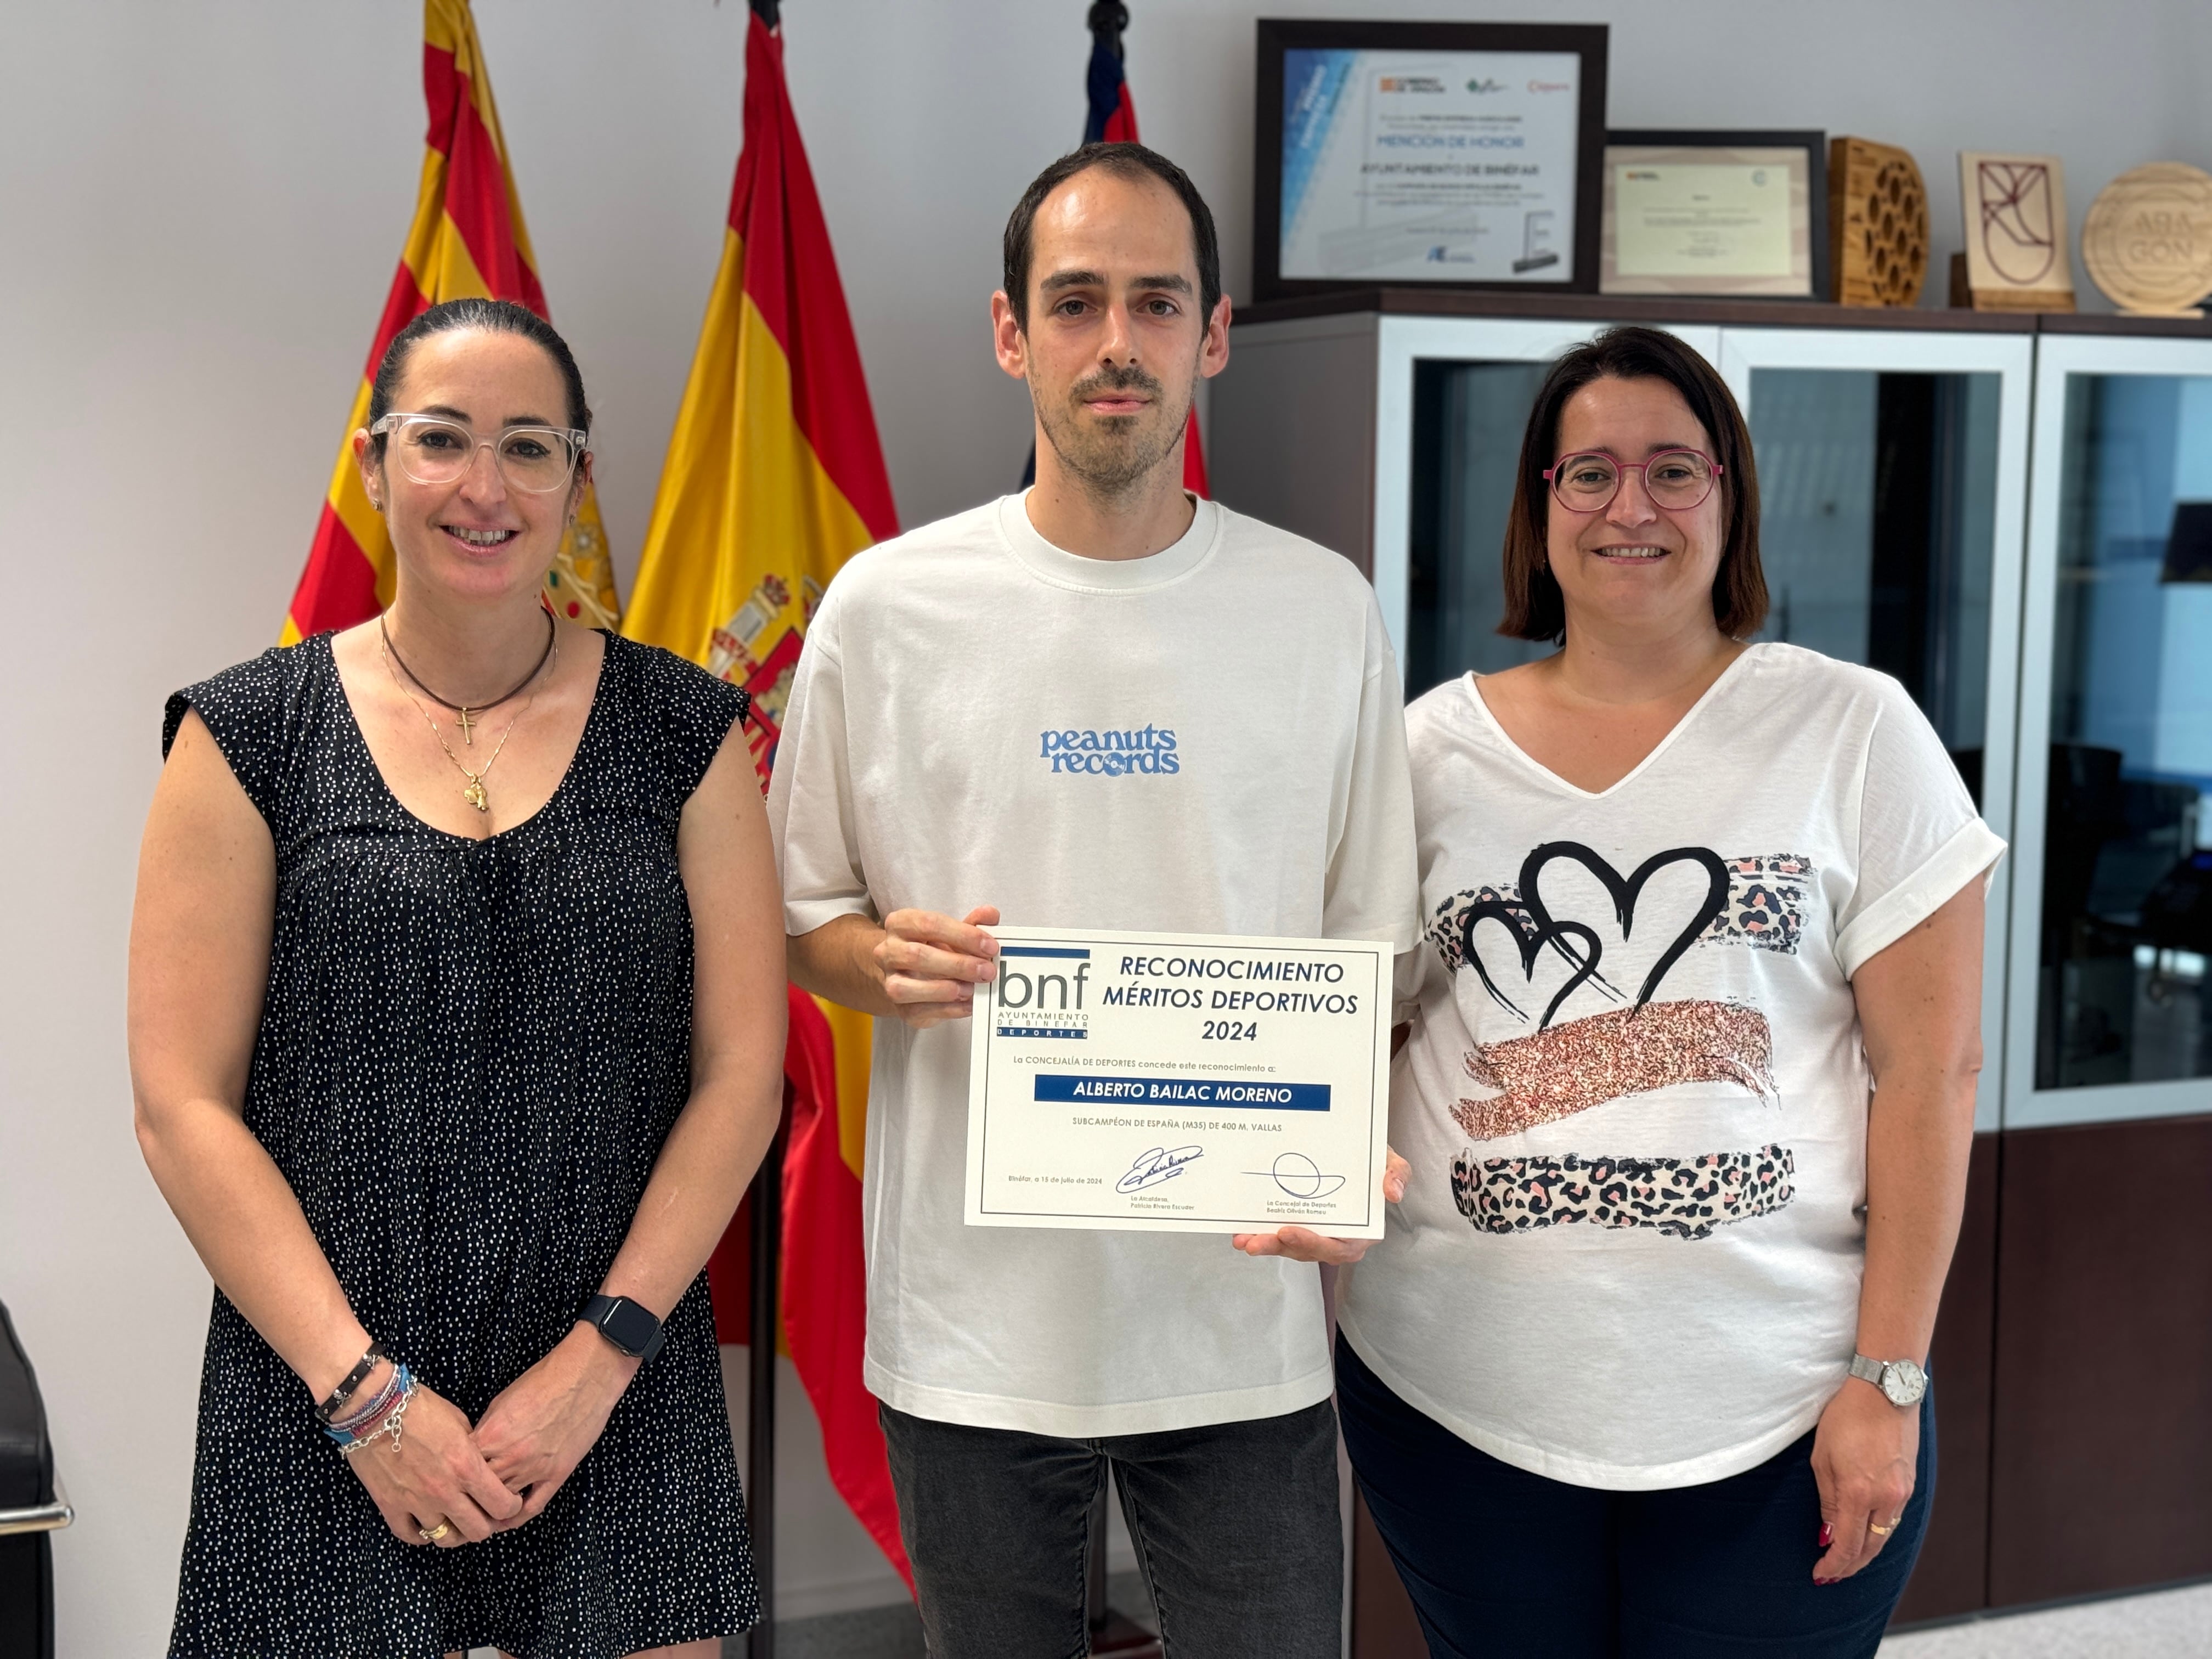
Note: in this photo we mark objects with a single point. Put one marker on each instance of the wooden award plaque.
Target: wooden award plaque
(2015, 234)
(1877, 224)
(2148, 241)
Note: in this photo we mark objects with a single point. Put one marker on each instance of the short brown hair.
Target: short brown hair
(1129, 160)
(1534, 608)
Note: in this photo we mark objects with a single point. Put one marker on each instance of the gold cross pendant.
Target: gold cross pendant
(474, 794)
(468, 725)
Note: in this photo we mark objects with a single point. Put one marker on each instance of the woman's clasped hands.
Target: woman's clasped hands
(430, 1482)
(444, 1481)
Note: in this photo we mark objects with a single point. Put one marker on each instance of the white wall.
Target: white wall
(201, 208)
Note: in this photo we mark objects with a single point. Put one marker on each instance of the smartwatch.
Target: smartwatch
(631, 1330)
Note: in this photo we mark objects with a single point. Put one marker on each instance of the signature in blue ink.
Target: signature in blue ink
(1300, 1177)
(1156, 1165)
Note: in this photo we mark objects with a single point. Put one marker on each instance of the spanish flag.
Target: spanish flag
(774, 479)
(467, 242)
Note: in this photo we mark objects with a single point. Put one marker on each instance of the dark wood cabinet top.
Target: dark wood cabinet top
(1723, 313)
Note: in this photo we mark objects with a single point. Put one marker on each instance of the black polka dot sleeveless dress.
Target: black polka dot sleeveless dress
(470, 1056)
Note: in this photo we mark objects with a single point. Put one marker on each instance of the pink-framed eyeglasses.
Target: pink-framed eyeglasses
(1676, 479)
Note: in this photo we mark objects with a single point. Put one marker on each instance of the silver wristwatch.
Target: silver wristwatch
(1901, 1382)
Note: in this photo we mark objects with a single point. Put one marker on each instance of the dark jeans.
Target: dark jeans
(1501, 1563)
(1235, 1526)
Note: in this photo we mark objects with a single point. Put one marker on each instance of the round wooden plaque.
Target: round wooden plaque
(2148, 241)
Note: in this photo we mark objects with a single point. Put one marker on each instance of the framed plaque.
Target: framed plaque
(1467, 154)
(1732, 213)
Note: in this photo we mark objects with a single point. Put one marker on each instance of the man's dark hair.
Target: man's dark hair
(1535, 607)
(490, 317)
(1124, 162)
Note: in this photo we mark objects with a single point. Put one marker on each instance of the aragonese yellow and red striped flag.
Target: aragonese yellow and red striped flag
(774, 479)
(467, 242)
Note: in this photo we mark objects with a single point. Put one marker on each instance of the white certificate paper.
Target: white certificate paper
(1701, 219)
(1430, 167)
(1180, 1083)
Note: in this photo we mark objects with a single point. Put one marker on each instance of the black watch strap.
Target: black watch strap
(631, 1329)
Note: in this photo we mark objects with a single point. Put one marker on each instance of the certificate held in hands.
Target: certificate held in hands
(1180, 1083)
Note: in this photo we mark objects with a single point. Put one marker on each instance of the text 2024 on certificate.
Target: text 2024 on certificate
(1180, 1083)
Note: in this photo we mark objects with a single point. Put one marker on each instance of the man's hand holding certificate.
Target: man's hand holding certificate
(1180, 1083)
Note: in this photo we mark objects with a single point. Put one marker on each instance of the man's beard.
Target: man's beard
(1109, 456)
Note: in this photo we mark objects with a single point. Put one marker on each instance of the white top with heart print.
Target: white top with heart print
(1634, 1097)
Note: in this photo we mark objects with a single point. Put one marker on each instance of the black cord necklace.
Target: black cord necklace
(466, 713)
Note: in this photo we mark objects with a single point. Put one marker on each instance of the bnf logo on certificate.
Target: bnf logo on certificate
(1031, 977)
(1180, 1083)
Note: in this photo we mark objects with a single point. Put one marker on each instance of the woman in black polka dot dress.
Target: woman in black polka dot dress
(457, 1029)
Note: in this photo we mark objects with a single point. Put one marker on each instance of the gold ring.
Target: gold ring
(435, 1533)
(1880, 1531)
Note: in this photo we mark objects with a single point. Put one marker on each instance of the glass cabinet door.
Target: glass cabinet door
(1468, 423)
(2125, 634)
(1877, 530)
(1893, 475)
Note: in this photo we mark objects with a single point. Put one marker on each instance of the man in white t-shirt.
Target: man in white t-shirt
(1104, 704)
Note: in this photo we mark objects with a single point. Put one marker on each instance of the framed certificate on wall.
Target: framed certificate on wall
(1715, 213)
(1467, 154)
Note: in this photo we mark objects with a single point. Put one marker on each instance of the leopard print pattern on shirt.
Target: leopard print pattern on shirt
(1769, 895)
(1685, 1198)
(1767, 901)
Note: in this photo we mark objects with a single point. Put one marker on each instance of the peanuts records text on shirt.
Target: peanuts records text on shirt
(1110, 754)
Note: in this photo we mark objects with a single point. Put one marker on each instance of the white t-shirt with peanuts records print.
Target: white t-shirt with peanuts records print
(1634, 1097)
(1209, 740)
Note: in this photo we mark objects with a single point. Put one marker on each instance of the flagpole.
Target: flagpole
(1106, 21)
(772, 479)
(760, 1394)
(760, 1353)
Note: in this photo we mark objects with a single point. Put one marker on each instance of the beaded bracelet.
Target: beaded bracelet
(389, 1413)
(370, 1410)
(393, 1423)
(390, 1422)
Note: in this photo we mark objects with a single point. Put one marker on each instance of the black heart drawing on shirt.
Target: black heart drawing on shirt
(1531, 946)
(1624, 892)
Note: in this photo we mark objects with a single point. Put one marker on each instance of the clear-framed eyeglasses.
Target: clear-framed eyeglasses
(1676, 479)
(433, 449)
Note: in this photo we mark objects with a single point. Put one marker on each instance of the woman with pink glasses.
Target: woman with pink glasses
(1689, 1088)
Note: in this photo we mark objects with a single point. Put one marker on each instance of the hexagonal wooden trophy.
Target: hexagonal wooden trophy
(1877, 224)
